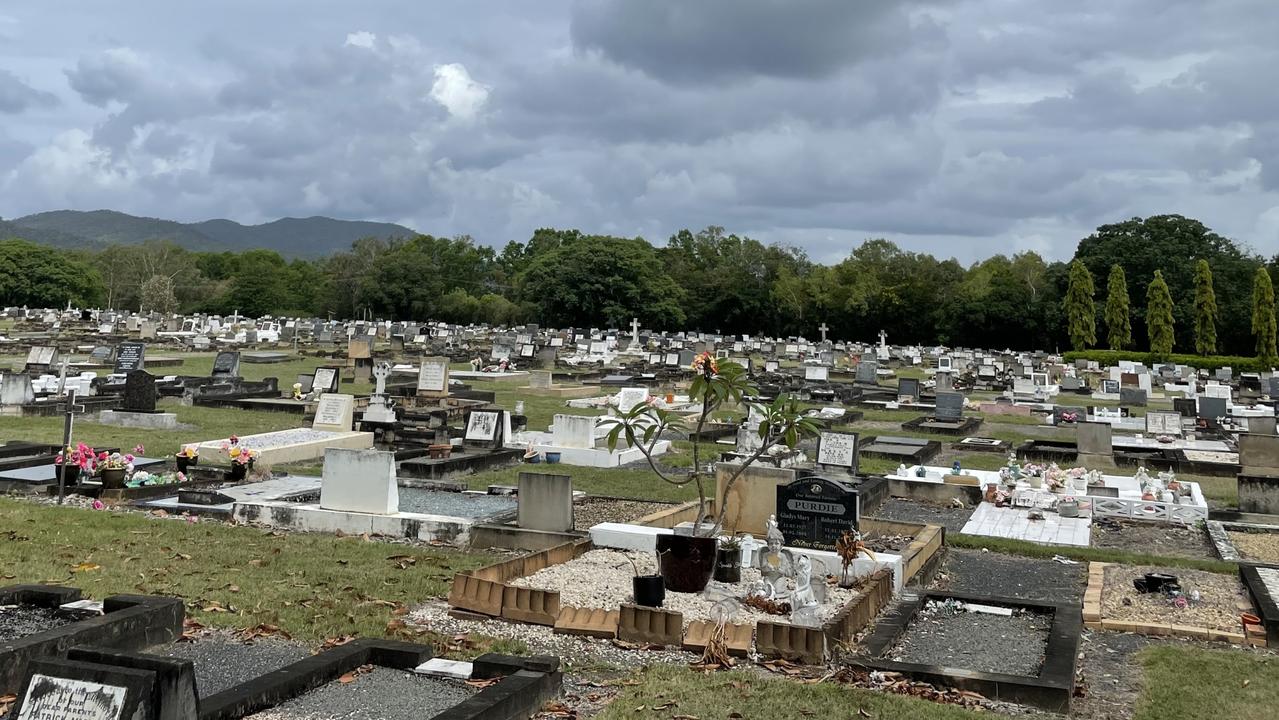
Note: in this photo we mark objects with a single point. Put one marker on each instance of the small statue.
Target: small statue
(775, 566)
(803, 595)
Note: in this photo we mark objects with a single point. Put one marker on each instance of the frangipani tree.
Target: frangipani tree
(715, 385)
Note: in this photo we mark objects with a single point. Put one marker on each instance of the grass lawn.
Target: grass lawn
(1085, 554)
(312, 586)
(680, 692)
(1186, 683)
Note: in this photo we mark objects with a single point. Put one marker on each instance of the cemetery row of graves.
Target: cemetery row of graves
(208, 517)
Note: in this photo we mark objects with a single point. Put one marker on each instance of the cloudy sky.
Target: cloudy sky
(958, 127)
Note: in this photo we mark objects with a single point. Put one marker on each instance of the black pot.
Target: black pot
(650, 590)
(112, 479)
(239, 470)
(687, 562)
(70, 474)
(183, 462)
(728, 565)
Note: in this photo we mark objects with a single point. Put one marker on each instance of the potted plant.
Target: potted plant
(71, 462)
(186, 457)
(113, 468)
(688, 561)
(728, 560)
(648, 590)
(241, 458)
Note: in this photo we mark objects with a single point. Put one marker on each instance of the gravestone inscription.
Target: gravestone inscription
(130, 356)
(227, 364)
(813, 512)
(950, 406)
(837, 449)
(326, 379)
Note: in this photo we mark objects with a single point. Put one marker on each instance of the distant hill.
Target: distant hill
(291, 237)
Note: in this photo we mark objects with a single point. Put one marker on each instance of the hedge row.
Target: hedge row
(1236, 363)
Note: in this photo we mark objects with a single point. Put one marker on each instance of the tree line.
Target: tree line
(1172, 284)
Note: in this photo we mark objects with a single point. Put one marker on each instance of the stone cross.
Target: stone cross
(381, 372)
(72, 409)
(62, 377)
(822, 329)
(883, 339)
(634, 331)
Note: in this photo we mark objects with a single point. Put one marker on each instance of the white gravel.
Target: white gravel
(602, 579)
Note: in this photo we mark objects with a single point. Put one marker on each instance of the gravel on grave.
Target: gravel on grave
(1216, 608)
(1155, 538)
(223, 661)
(953, 518)
(19, 621)
(1012, 576)
(380, 694)
(455, 504)
(940, 635)
(592, 511)
(1259, 546)
(602, 579)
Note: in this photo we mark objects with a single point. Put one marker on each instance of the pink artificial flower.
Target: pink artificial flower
(182, 477)
(191, 519)
(128, 458)
(139, 449)
(97, 505)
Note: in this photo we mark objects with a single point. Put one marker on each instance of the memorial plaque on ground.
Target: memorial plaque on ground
(326, 379)
(227, 364)
(130, 356)
(837, 449)
(813, 512)
(433, 376)
(950, 407)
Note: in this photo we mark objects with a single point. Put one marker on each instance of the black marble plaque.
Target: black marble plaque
(139, 392)
(130, 356)
(950, 406)
(227, 364)
(813, 512)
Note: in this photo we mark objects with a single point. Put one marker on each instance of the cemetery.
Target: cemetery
(837, 508)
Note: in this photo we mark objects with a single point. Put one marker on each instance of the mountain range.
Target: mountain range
(291, 237)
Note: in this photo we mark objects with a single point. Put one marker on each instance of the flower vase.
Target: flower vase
(239, 471)
(112, 478)
(183, 462)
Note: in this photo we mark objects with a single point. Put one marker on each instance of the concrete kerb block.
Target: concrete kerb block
(650, 626)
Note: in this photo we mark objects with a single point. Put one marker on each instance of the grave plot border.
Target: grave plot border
(1050, 690)
(484, 594)
(926, 452)
(1094, 620)
(1265, 633)
(1225, 547)
(128, 622)
(968, 425)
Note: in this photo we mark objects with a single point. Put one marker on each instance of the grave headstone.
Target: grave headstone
(628, 398)
(130, 356)
(816, 373)
(837, 449)
(484, 428)
(545, 502)
(813, 512)
(908, 388)
(334, 412)
(540, 380)
(433, 377)
(1094, 438)
(16, 389)
(307, 381)
(227, 364)
(1132, 397)
(949, 407)
(41, 359)
(1210, 410)
(1110, 387)
(1184, 406)
(360, 348)
(867, 372)
(139, 392)
(1224, 374)
(573, 431)
(1163, 423)
(1259, 455)
(361, 481)
(1262, 425)
(326, 380)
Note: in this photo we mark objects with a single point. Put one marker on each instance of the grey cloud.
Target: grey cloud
(17, 96)
(717, 39)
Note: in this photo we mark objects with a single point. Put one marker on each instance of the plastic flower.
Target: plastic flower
(139, 449)
(706, 364)
(98, 505)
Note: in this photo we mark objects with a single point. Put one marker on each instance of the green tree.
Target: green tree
(1159, 316)
(1081, 313)
(259, 285)
(1118, 324)
(38, 276)
(1205, 310)
(1263, 316)
(600, 279)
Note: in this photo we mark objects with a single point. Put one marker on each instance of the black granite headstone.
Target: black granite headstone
(227, 364)
(813, 512)
(1132, 397)
(950, 406)
(908, 387)
(130, 356)
(139, 392)
(1211, 408)
(1185, 406)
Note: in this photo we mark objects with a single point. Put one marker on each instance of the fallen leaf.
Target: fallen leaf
(347, 678)
(85, 567)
